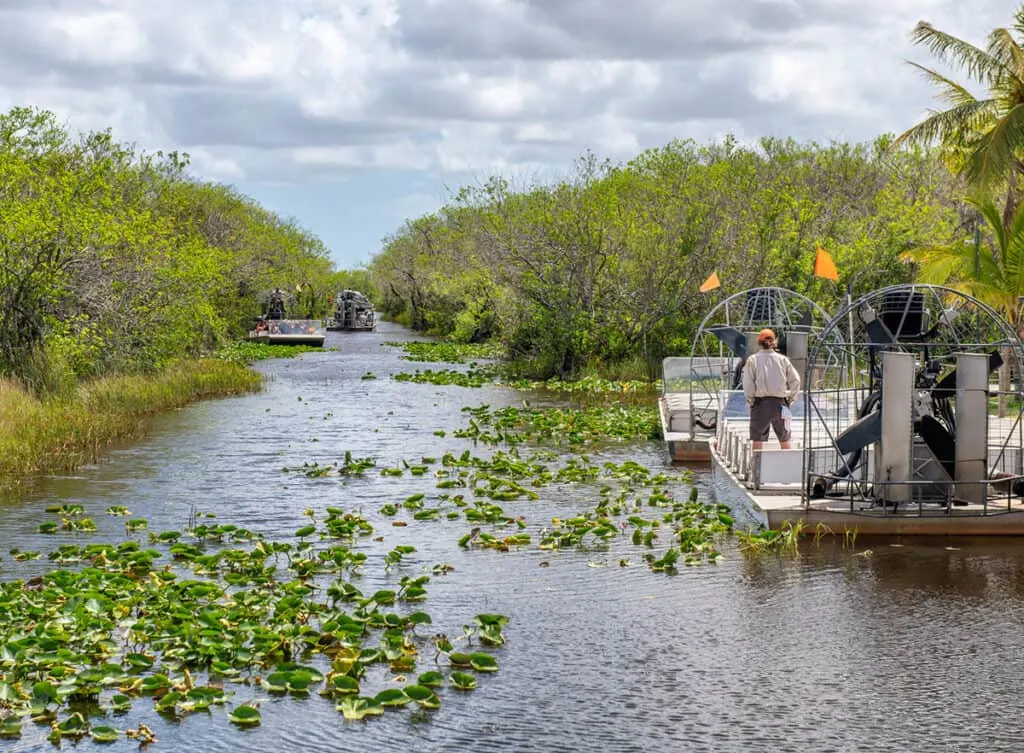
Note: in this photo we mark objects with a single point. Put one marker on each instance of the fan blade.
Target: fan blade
(940, 442)
(860, 433)
(878, 333)
(946, 386)
(734, 340)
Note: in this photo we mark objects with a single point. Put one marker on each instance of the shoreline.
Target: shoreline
(59, 434)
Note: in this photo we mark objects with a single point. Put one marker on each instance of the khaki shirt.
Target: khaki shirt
(768, 373)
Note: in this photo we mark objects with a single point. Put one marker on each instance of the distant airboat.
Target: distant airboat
(274, 329)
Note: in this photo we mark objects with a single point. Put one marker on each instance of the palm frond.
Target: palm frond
(1013, 248)
(995, 155)
(948, 124)
(941, 265)
(988, 209)
(1003, 46)
(1018, 22)
(978, 63)
(951, 92)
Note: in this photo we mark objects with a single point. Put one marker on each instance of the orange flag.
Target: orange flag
(824, 266)
(711, 283)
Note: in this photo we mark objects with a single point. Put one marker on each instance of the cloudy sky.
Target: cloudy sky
(351, 115)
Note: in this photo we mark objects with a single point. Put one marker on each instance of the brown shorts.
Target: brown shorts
(765, 413)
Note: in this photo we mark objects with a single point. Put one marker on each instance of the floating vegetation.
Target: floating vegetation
(590, 385)
(245, 352)
(187, 624)
(476, 376)
(573, 426)
(448, 352)
(349, 466)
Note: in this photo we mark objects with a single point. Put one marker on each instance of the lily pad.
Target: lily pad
(482, 662)
(392, 697)
(431, 679)
(358, 707)
(424, 696)
(462, 681)
(245, 715)
(105, 734)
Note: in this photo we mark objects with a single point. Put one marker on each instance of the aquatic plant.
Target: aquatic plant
(572, 426)
(588, 385)
(768, 540)
(447, 352)
(475, 377)
(245, 352)
(186, 622)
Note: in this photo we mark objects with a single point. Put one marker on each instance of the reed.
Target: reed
(58, 434)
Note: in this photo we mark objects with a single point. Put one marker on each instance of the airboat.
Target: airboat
(353, 311)
(702, 400)
(274, 329)
(910, 421)
(288, 332)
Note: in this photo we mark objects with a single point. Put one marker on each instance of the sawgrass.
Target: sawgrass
(58, 434)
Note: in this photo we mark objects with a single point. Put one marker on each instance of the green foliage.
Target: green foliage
(602, 269)
(116, 260)
(981, 138)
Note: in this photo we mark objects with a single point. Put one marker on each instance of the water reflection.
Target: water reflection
(909, 648)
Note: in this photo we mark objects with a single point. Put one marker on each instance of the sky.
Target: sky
(350, 116)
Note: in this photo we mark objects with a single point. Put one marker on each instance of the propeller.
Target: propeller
(946, 386)
(934, 433)
(862, 432)
(733, 339)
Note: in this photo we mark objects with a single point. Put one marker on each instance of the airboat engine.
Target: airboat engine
(905, 418)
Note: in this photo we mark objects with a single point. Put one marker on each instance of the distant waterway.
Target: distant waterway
(909, 645)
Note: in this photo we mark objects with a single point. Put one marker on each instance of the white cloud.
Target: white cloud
(295, 90)
(433, 84)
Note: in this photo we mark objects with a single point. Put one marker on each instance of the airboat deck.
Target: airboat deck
(771, 481)
(899, 429)
(288, 332)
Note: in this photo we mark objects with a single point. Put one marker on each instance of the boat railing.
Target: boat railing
(294, 327)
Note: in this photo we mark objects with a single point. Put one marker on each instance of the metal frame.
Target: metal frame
(937, 328)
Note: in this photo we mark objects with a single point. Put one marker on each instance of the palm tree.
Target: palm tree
(994, 275)
(983, 139)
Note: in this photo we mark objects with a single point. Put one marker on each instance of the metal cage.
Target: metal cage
(912, 405)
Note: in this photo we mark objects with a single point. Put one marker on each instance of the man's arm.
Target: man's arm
(748, 380)
(792, 382)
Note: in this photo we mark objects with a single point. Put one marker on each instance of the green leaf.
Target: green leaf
(245, 715)
(105, 734)
(462, 681)
(358, 707)
(424, 696)
(392, 697)
(482, 662)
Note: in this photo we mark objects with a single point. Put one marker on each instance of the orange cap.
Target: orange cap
(764, 335)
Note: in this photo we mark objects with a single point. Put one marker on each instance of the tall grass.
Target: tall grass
(58, 434)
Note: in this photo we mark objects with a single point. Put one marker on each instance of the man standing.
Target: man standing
(770, 383)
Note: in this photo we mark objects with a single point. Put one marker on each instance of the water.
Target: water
(885, 648)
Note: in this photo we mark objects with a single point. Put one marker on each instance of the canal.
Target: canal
(888, 646)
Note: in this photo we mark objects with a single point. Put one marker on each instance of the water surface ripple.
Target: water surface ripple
(886, 648)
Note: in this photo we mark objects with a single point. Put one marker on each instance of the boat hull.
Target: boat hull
(315, 341)
(355, 328)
